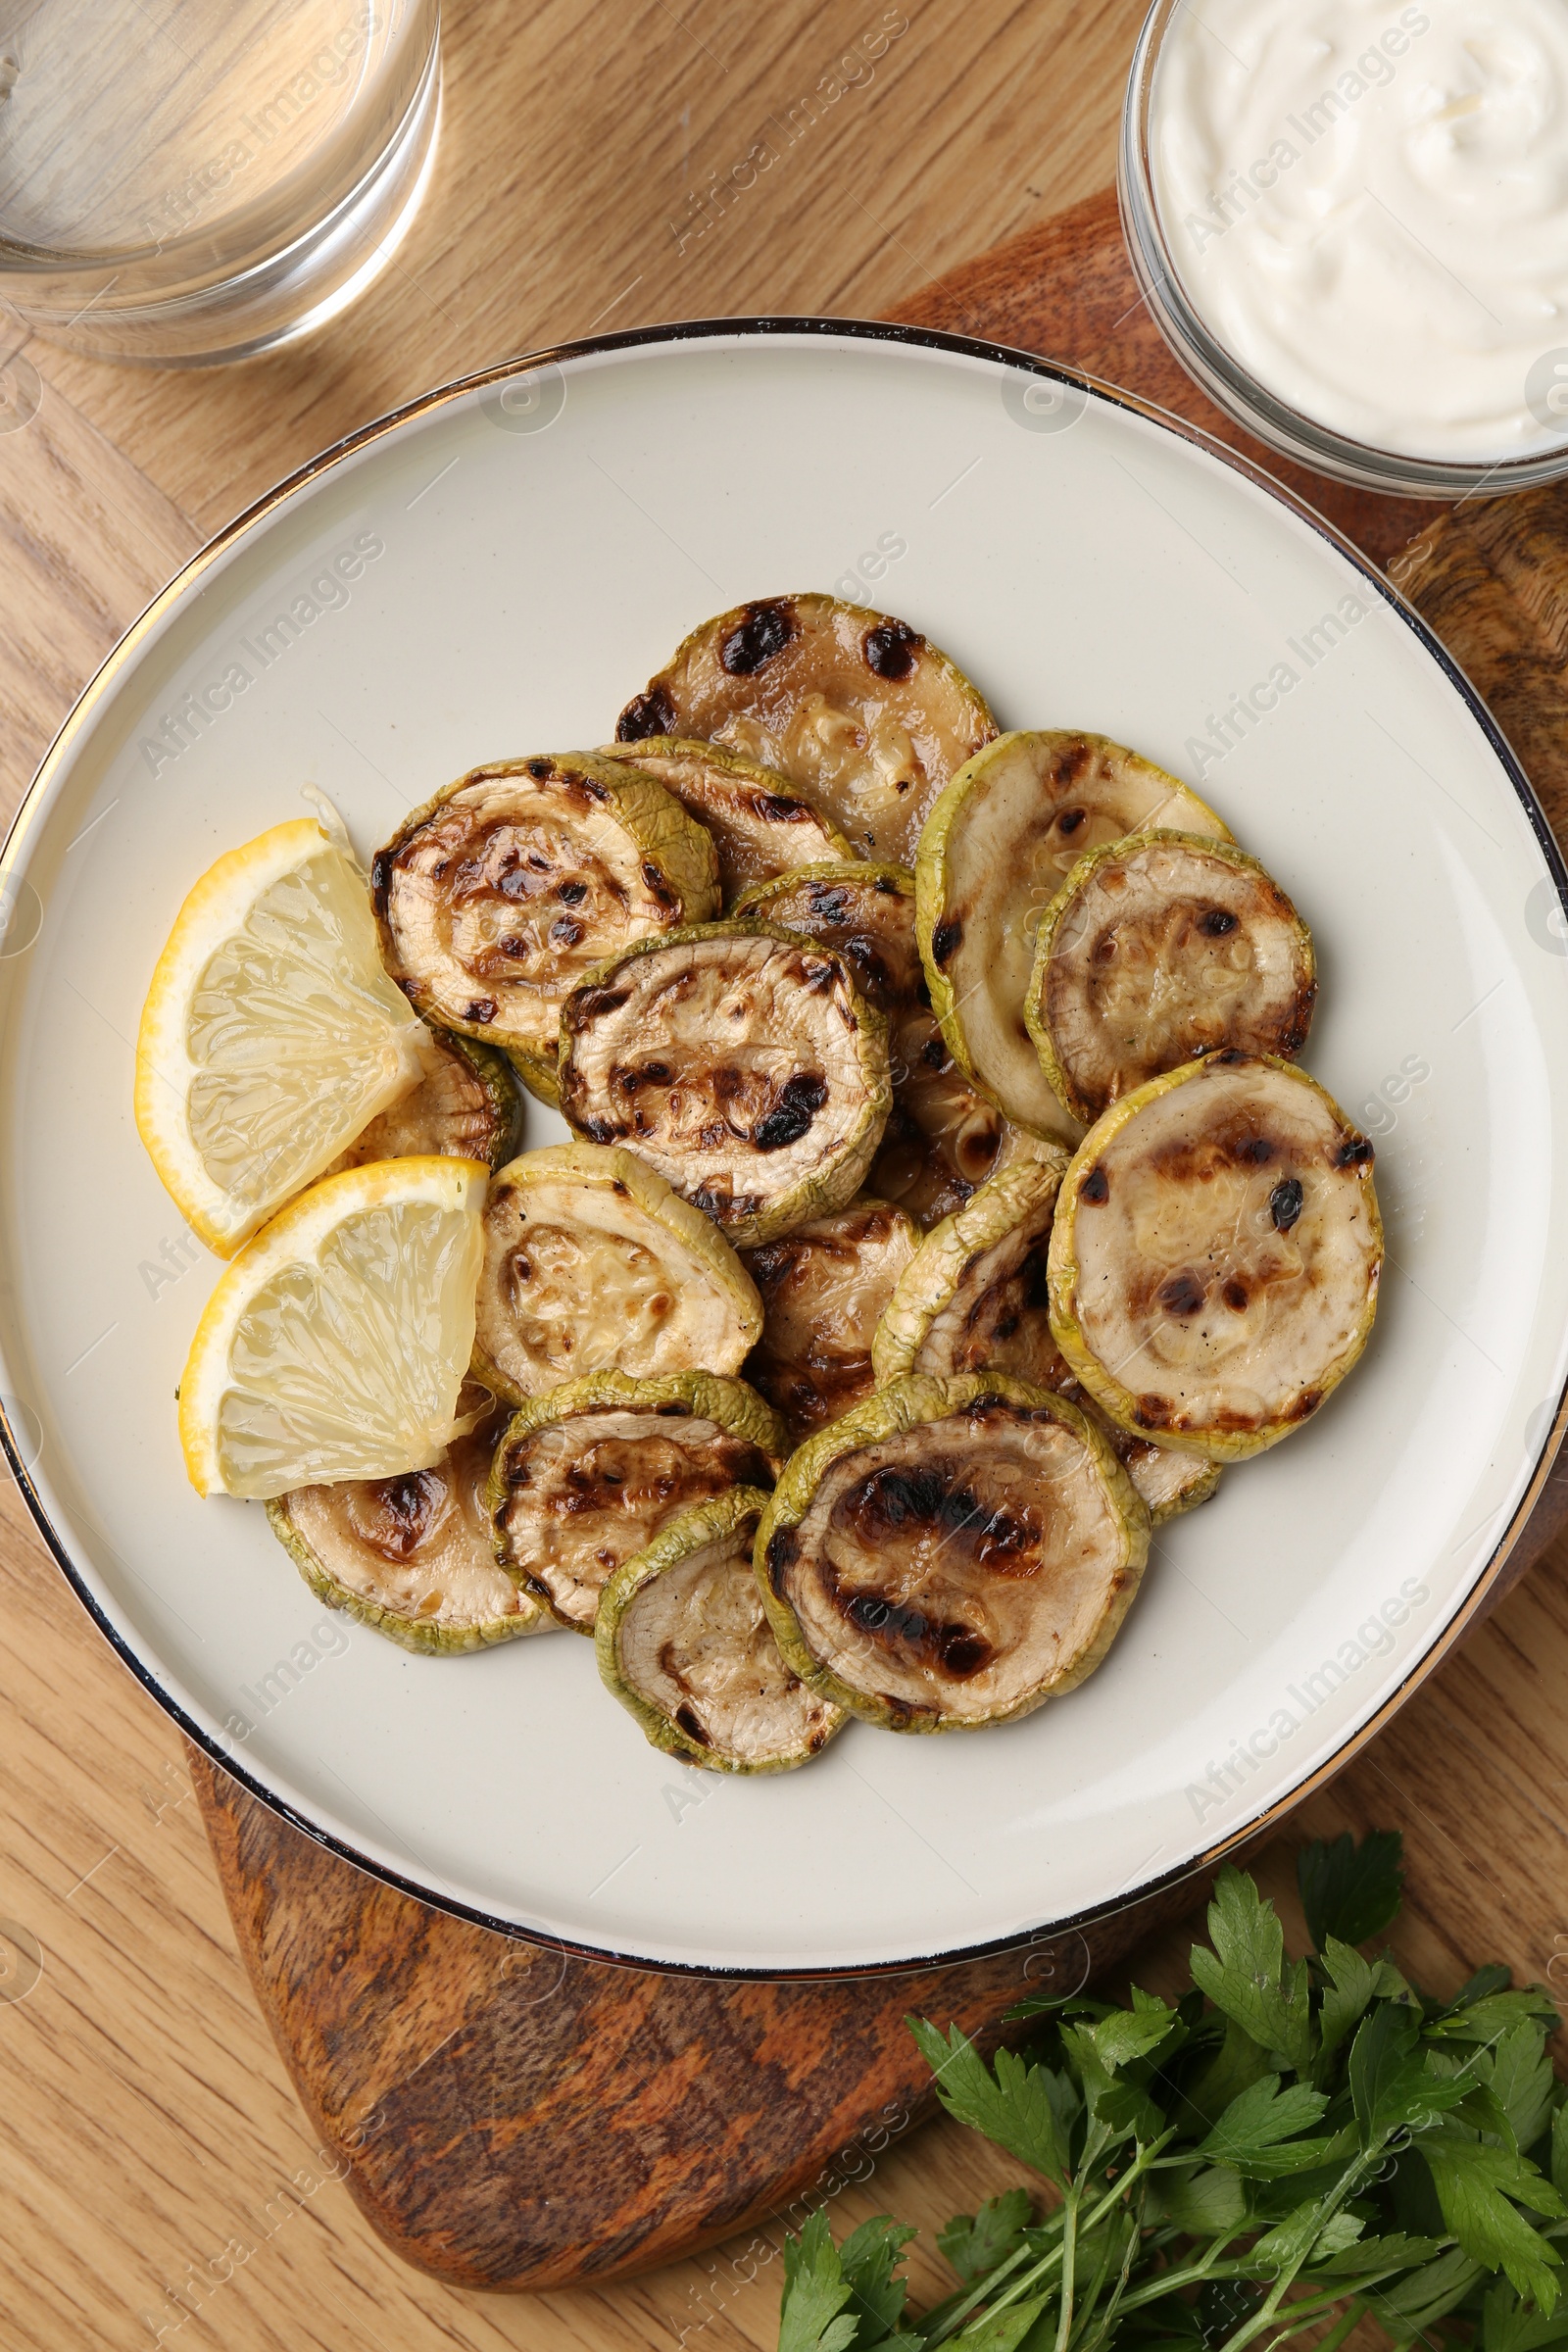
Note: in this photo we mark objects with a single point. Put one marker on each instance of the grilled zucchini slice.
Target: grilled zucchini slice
(413, 1556)
(855, 708)
(591, 1260)
(738, 1060)
(1001, 841)
(495, 898)
(585, 1477)
(759, 827)
(977, 1295)
(942, 1135)
(952, 1553)
(1158, 949)
(684, 1644)
(466, 1106)
(1216, 1258)
(823, 1288)
(1168, 1484)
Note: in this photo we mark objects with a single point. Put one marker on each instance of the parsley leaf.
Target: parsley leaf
(1001, 2331)
(1407, 2306)
(872, 2257)
(1249, 2133)
(1475, 2183)
(973, 2243)
(1396, 2252)
(1560, 2150)
(1496, 2014)
(1118, 2106)
(1236, 2062)
(1247, 1976)
(1028, 2110)
(1522, 2081)
(1207, 2202)
(1285, 2246)
(1391, 2085)
(812, 2316)
(1351, 1891)
(1135, 2032)
(1509, 2325)
(1352, 1982)
(1322, 2127)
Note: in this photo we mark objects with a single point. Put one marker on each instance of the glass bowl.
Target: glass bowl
(1228, 383)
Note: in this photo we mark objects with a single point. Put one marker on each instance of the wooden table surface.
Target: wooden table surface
(161, 2182)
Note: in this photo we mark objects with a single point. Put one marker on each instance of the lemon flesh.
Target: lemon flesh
(271, 1036)
(335, 1345)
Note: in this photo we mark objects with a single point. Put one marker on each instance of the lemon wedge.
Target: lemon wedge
(336, 1343)
(271, 1036)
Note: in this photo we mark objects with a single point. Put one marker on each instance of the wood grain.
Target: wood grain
(163, 2182)
(511, 2116)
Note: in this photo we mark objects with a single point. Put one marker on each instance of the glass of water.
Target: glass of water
(190, 180)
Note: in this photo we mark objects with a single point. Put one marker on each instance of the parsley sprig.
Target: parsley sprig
(1296, 2146)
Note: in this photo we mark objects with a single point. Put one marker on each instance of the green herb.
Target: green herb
(1297, 2145)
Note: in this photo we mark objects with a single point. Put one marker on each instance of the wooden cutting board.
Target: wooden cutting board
(511, 2117)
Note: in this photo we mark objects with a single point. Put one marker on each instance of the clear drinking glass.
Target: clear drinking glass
(190, 180)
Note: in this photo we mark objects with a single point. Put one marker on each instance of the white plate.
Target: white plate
(495, 572)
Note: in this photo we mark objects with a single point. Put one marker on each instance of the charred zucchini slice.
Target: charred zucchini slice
(951, 1554)
(1156, 949)
(1216, 1258)
(1167, 1483)
(684, 1644)
(738, 1060)
(1001, 841)
(823, 1288)
(585, 1477)
(413, 1556)
(857, 710)
(942, 1135)
(759, 827)
(495, 898)
(977, 1295)
(591, 1260)
(466, 1106)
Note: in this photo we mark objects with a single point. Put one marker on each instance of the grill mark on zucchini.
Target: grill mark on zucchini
(763, 632)
(823, 1290)
(1232, 1281)
(650, 714)
(857, 708)
(1158, 949)
(951, 1554)
(683, 1642)
(783, 1551)
(613, 1473)
(798, 1100)
(892, 650)
(914, 1638)
(739, 1060)
(941, 1137)
(397, 1514)
(587, 1476)
(498, 893)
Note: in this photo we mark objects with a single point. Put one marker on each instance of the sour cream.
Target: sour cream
(1367, 205)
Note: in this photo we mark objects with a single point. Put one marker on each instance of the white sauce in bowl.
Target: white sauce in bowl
(1367, 205)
